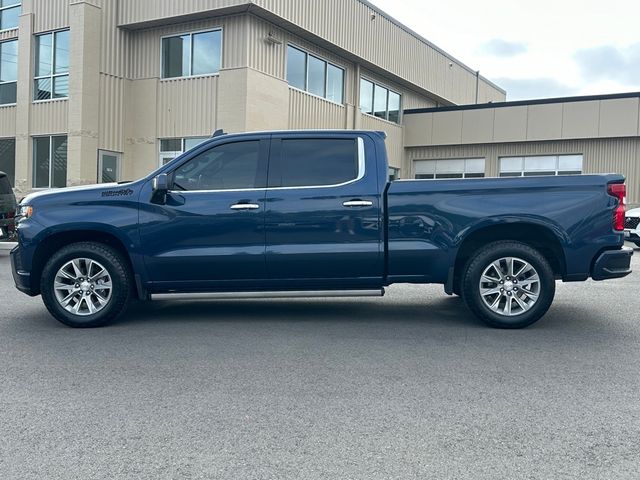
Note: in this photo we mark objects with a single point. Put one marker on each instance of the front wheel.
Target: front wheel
(86, 285)
(508, 285)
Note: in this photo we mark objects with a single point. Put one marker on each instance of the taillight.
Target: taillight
(618, 190)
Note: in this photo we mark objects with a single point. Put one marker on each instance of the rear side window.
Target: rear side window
(316, 162)
(5, 186)
(226, 167)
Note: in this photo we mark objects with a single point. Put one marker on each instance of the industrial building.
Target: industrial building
(107, 90)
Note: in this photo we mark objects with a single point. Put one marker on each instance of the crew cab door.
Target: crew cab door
(323, 219)
(210, 229)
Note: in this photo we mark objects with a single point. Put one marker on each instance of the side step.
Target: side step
(250, 295)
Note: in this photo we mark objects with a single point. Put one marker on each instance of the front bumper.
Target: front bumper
(21, 278)
(612, 264)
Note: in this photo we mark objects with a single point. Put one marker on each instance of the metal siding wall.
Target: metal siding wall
(310, 112)
(187, 107)
(7, 122)
(394, 142)
(145, 45)
(50, 15)
(620, 155)
(115, 42)
(349, 25)
(111, 136)
(49, 117)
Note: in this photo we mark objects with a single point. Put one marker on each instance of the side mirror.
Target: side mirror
(160, 188)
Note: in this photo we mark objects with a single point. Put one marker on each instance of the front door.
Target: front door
(323, 219)
(209, 233)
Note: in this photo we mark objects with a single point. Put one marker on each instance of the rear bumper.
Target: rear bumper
(612, 264)
(21, 278)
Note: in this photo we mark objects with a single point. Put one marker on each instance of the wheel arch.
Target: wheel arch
(541, 237)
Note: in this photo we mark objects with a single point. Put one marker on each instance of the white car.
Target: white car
(632, 226)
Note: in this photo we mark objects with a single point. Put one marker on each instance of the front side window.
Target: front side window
(379, 101)
(50, 162)
(192, 54)
(542, 165)
(232, 166)
(449, 168)
(172, 148)
(52, 66)
(316, 162)
(8, 72)
(314, 75)
(8, 158)
(9, 14)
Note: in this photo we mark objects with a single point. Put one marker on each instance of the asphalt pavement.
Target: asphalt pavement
(409, 386)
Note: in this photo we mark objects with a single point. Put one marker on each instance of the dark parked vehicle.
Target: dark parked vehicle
(8, 207)
(313, 214)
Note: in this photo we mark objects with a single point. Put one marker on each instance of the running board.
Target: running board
(250, 295)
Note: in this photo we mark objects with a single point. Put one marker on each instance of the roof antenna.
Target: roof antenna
(218, 133)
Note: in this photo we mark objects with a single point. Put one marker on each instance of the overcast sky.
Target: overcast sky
(535, 49)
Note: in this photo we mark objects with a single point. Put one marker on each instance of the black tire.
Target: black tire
(118, 270)
(483, 260)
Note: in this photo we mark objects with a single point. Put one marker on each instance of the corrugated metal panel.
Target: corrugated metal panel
(50, 15)
(394, 142)
(187, 107)
(115, 42)
(308, 111)
(7, 122)
(49, 117)
(354, 27)
(620, 155)
(112, 121)
(145, 45)
(137, 11)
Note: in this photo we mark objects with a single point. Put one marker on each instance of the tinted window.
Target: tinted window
(317, 162)
(225, 167)
(5, 186)
(8, 158)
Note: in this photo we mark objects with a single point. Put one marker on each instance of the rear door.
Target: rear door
(323, 214)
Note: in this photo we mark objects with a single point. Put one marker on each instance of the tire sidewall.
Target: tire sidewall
(114, 265)
(489, 254)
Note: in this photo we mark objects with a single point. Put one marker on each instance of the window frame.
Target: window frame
(327, 63)
(51, 157)
(361, 155)
(373, 100)
(9, 7)
(13, 81)
(191, 35)
(52, 75)
(465, 174)
(101, 154)
(534, 173)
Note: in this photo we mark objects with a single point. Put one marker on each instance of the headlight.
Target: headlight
(24, 212)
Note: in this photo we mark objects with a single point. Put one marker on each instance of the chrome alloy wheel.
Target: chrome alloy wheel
(83, 287)
(510, 286)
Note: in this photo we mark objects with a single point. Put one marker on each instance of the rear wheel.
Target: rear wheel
(86, 285)
(508, 285)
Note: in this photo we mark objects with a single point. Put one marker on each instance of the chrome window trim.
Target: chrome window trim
(361, 173)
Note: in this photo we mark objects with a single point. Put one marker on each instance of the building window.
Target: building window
(315, 75)
(8, 72)
(50, 162)
(452, 168)
(546, 165)
(379, 101)
(108, 166)
(52, 66)
(8, 158)
(394, 174)
(9, 14)
(171, 148)
(192, 54)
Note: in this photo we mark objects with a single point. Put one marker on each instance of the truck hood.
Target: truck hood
(89, 192)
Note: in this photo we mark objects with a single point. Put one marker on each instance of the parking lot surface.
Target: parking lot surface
(407, 386)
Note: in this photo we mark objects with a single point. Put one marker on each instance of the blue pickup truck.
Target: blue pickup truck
(310, 213)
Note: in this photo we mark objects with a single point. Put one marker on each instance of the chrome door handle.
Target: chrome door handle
(245, 206)
(357, 203)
